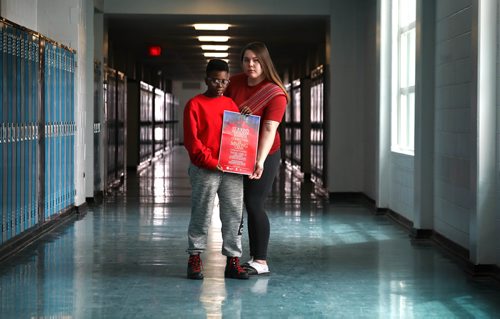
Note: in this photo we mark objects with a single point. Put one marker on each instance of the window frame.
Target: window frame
(403, 79)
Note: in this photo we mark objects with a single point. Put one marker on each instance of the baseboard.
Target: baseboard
(492, 271)
(450, 246)
(381, 211)
(96, 200)
(421, 234)
(454, 250)
(400, 219)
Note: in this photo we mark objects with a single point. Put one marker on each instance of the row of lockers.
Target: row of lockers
(37, 129)
(157, 122)
(295, 120)
(115, 104)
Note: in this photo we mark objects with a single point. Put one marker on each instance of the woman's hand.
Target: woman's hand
(245, 110)
(257, 172)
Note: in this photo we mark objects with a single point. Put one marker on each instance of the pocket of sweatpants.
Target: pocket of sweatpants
(193, 170)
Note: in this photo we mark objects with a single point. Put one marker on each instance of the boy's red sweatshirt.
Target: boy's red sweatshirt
(203, 118)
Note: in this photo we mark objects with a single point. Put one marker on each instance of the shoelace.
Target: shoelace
(236, 264)
(195, 263)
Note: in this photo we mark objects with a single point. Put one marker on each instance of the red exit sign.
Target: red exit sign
(154, 50)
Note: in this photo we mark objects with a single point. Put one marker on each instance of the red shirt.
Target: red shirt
(203, 118)
(240, 91)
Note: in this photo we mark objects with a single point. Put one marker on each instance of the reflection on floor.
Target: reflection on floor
(126, 259)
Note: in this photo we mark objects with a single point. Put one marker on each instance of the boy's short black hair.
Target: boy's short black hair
(217, 65)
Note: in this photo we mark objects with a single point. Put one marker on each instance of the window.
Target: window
(403, 76)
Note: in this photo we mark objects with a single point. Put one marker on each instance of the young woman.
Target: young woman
(259, 91)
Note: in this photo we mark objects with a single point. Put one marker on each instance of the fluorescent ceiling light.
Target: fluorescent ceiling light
(207, 38)
(208, 47)
(215, 54)
(211, 26)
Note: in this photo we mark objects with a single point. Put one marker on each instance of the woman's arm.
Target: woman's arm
(266, 140)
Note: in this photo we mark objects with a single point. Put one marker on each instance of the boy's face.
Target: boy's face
(216, 82)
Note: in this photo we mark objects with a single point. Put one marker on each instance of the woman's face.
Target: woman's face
(251, 65)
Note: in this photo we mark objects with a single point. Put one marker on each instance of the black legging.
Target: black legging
(255, 194)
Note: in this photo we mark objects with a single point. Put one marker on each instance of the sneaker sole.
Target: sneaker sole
(253, 272)
(233, 277)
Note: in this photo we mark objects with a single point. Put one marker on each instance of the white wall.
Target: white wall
(346, 98)
(402, 185)
(59, 19)
(98, 57)
(454, 150)
(370, 100)
(498, 134)
(21, 12)
(86, 31)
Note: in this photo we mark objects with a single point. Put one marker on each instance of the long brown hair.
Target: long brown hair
(266, 63)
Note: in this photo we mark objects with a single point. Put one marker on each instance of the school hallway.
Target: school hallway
(125, 258)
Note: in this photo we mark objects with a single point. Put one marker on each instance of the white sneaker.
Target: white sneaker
(247, 263)
(255, 268)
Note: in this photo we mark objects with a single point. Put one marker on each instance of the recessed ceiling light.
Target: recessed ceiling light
(211, 26)
(208, 47)
(208, 38)
(215, 54)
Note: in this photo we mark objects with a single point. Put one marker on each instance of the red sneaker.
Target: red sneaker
(234, 270)
(194, 267)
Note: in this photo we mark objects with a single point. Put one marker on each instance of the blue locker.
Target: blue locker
(72, 136)
(48, 91)
(52, 153)
(2, 132)
(25, 120)
(35, 89)
(29, 140)
(49, 111)
(64, 121)
(71, 120)
(57, 145)
(17, 142)
(10, 119)
(65, 146)
(62, 138)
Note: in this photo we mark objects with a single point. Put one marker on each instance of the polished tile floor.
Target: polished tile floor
(126, 258)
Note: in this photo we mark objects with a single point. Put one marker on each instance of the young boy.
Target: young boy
(203, 118)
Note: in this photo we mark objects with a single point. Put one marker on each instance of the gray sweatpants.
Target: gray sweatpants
(205, 185)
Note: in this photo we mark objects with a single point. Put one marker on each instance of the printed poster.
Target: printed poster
(238, 149)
